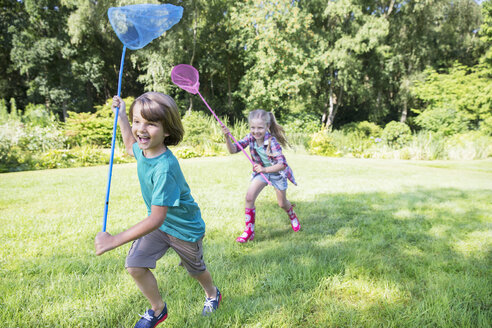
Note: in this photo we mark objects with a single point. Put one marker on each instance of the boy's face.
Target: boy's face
(149, 135)
(258, 129)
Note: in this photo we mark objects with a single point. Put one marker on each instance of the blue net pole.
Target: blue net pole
(115, 125)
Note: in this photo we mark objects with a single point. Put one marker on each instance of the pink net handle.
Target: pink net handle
(187, 78)
(234, 139)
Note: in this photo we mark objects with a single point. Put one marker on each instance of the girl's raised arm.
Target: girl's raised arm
(230, 146)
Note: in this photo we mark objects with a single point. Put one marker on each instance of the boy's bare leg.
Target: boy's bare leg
(205, 280)
(147, 284)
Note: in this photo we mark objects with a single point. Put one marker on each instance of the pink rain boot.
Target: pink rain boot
(294, 221)
(249, 231)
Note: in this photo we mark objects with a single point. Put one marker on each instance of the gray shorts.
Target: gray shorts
(146, 250)
(277, 180)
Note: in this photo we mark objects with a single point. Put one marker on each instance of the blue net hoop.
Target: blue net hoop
(137, 25)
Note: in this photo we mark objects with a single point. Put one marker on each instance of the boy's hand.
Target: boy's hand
(118, 102)
(103, 242)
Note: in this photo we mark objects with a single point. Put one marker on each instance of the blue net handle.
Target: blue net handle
(113, 140)
(137, 25)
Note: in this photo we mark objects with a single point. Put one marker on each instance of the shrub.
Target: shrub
(445, 121)
(19, 143)
(486, 126)
(199, 128)
(4, 113)
(322, 144)
(89, 129)
(301, 123)
(454, 101)
(188, 152)
(396, 134)
(350, 143)
(38, 115)
(364, 128)
(94, 129)
(79, 156)
(470, 145)
(426, 145)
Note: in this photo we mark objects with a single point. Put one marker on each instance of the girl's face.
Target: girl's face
(149, 135)
(258, 129)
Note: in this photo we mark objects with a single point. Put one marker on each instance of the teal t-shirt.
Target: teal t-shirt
(262, 153)
(163, 184)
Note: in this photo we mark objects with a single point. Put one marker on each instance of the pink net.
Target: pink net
(186, 77)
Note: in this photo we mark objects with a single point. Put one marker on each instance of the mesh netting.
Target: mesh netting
(137, 25)
(186, 77)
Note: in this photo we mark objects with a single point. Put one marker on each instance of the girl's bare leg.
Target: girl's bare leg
(287, 206)
(254, 190)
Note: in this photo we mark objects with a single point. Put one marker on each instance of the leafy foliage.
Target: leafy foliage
(78, 157)
(396, 134)
(322, 144)
(301, 122)
(342, 61)
(19, 143)
(458, 101)
(94, 129)
(364, 128)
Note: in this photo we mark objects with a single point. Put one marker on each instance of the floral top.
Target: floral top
(274, 152)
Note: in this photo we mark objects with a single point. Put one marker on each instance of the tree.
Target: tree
(486, 33)
(427, 33)
(94, 53)
(348, 37)
(203, 39)
(37, 53)
(275, 39)
(12, 18)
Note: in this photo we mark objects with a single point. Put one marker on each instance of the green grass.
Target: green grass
(384, 243)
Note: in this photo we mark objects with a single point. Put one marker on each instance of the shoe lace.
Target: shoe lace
(209, 303)
(147, 316)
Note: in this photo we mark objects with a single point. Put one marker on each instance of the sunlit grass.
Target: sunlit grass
(384, 243)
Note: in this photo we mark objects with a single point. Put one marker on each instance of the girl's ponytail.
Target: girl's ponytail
(277, 130)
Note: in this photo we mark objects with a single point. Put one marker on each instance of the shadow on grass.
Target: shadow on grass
(420, 257)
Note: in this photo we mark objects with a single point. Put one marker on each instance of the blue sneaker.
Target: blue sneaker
(211, 304)
(148, 319)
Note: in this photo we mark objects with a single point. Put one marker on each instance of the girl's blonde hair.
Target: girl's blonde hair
(158, 107)
(275, 129)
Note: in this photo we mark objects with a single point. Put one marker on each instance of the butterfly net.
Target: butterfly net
(137, 25)
(186, 77)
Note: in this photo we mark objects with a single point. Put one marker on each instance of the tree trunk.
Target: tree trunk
(390, 9)
(404, 111)
(195, 23)
(333, 108)
(331, 116)
(229, 92)
(64, 109)
(190, 108)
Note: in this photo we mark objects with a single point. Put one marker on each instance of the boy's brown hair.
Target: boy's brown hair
(158, 107)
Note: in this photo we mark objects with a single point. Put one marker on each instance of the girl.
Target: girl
(174, 219)
(263, 142)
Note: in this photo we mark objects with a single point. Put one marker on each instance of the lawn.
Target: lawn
(383, 243)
